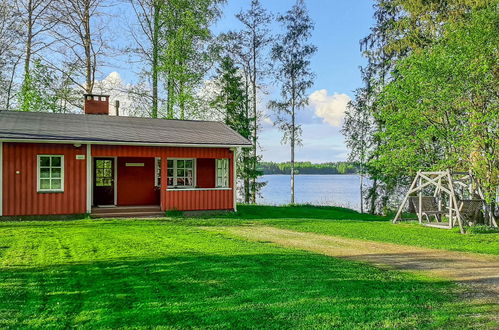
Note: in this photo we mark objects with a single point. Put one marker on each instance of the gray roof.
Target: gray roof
(111, 129)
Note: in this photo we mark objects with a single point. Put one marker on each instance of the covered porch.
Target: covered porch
(147, 181)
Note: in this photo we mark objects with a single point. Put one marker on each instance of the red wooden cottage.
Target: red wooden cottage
(108, 165)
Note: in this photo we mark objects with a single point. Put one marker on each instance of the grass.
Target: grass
(351, 224)
(149, 273)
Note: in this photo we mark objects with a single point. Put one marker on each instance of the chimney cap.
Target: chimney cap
(96, 94)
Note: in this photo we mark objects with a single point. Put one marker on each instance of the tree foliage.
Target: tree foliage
(428, 87)
(185, 57)
(441, 108)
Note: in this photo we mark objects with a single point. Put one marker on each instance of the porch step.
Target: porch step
(127, 212)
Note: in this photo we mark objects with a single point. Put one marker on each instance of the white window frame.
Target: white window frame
(38, 172)
(194, 168)
(157, 163)
(225, 176)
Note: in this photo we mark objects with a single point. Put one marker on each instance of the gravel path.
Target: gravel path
(479, 272)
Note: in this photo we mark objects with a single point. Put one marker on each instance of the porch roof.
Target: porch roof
(33, 126)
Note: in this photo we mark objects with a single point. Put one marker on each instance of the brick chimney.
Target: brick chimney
(96, 104)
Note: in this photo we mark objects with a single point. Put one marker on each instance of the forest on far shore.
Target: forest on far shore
(308, 168)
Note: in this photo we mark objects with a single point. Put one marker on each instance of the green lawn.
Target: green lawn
(147, 273)
(348, 223)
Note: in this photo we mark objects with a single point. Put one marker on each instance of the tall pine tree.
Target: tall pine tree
(231, 100)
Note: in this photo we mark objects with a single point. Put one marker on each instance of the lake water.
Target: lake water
(332, 190)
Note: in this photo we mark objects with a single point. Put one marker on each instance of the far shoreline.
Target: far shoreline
(313, 174)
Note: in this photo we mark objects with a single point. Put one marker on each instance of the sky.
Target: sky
(339, 25)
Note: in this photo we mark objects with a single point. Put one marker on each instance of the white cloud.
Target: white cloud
(268, 121)
(331, 108)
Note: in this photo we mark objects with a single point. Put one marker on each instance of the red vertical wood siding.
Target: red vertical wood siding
(205, 175)
(194, 200)
(20, 196)
(136, 183)
(169, 152)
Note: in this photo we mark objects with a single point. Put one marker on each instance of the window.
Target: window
(180, 173)
(50, 173)
(157, 171)
(222, 173)
(104, 173)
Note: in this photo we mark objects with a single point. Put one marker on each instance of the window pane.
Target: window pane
(170, 172)
(56, 161)
(180, 172)
(45, 173)
(170, 181)
(180, 181)
(44, 161)
(188, 182)
(56, 184)
(44, 184)
(170, 163)
(188, 163)
(56, 173)
(189, 173)
(180, 163)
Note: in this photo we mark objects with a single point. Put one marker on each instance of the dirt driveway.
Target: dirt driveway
(481, 272)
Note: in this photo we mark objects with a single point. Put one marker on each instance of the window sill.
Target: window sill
(50, 191)
(195, 189)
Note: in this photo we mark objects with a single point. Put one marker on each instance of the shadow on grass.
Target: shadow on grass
(239, 291)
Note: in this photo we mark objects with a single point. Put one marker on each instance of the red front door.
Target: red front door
(136, 181)
(104, 181)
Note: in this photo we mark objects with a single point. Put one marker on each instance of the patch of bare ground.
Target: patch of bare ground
(478, 273)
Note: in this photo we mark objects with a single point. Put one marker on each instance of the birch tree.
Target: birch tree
(81, 38)
(292, 52)
(255, 39)
(36, 21)
(10, 50)
(148, 41)
(185, 57)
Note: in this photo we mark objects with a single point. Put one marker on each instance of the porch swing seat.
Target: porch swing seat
(429, 207)
(471, 209)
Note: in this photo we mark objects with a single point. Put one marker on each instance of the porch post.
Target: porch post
(234, 171)
(164, 182)
(89, 178)
(1, 178)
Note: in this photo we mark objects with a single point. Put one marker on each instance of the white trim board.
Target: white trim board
(89, 178)
(196, 189)
(145, 144)
(38, 171)
(1, 178)
(115, 180)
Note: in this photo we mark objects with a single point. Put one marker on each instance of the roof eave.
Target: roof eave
(127, 143)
